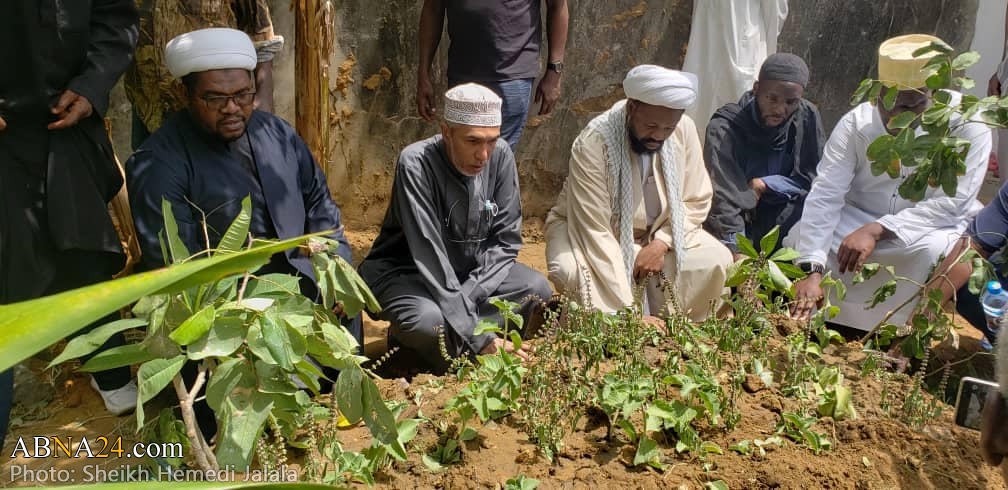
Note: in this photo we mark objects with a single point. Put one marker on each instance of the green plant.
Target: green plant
(252, 339)
(798, 428)
(520, 482)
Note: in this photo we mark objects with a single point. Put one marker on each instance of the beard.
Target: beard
(638, 144)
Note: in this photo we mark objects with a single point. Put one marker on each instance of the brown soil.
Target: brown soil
(873, 451)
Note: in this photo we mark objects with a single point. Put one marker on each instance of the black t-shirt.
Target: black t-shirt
(493, 40)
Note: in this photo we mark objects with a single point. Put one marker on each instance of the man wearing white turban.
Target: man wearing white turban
(634, 203)
(204, 161)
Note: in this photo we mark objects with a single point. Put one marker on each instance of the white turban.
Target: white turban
(471, 104)
(656, 85)
(209, 49)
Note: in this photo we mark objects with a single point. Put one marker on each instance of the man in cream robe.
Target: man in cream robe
(637, 189)
(852, 217)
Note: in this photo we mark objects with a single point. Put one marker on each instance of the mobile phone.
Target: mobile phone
(970, 401)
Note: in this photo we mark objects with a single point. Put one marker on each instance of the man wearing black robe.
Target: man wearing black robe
(762, 154)
(57, 170)
(451, 235)
(204, 161)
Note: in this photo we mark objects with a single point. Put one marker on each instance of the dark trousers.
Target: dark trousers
(31, 266)
(416, 319)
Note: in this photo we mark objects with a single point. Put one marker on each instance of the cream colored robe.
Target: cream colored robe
(582, 245)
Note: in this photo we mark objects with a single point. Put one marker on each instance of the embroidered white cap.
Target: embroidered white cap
(898, 66)
(472, 104)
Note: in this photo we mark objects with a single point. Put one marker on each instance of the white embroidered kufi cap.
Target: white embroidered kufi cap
(472, 104)
(209, 49)
(897, 66)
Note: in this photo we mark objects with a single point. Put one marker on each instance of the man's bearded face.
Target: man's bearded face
(650, 125)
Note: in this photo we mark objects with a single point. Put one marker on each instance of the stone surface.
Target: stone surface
(373, 78)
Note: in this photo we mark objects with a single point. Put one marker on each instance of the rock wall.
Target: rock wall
(373, 78)
(839, 40)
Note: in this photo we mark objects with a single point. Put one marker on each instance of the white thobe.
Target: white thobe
(845, 196)
(582, 245)
(729, 40)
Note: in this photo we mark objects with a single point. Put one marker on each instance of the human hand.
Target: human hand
(758, 186)
(548, 92)
(650, 259)
(655, 322)
(3, 124)
(808, 297)
(856, 247)
(425, 97)
(499, 343)
(994, 429)
(994, 86)
(69, 110)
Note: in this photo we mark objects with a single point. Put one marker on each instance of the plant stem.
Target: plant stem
(203, 455)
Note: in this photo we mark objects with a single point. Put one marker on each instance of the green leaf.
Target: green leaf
(227, 375)
(123, 355)
(876, 89)
(648, 453)
(486, 326)
(278, 342)
(237, 234)
(272, 380)
(769, 241)
(176, 248)
(152, 377)
(861, 92)
(716, 485)
(29, 327)
(349, 394)
(195, 326)
(965, 60)
(903, 120)
(889, 99)
(881, 147)
(225, 337)
(272, 286)
(746, 246)
(784, 254)
(777, 277)
(241, 419)
(91, 341)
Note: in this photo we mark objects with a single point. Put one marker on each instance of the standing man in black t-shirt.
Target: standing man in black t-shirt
(495, 44)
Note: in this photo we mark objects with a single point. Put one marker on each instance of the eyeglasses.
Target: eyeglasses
(218, 102)
(456, 227)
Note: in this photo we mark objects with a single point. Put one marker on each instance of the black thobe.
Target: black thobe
(738, 147)
(55, 231)
(447, 244)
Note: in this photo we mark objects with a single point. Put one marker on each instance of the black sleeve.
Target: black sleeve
(113, 37)
(732, 195)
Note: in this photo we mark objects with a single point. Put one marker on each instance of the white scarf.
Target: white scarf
(613, 127)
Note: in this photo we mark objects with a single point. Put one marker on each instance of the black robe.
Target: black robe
(56, 184)
(735, 138)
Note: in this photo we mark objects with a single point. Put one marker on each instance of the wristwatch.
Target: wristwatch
(556, 66)
(812, 268)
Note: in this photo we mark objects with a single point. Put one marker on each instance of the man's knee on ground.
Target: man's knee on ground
(540, 288)
(418, 323)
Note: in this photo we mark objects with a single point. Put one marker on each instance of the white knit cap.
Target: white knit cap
(209, 49)
(472, 104)
(656, 85)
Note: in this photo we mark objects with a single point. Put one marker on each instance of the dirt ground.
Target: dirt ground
(872, 452)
